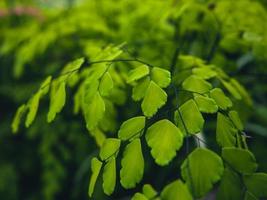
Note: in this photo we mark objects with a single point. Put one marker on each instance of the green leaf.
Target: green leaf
(242, 91)
(230, 187)
(99, 136)
(231, 89)
(109, 176)
(149, 191)
(106, 84)
(176, 190)
(257, 184)
(164, 139)
(33, 108)
(179, 123)
(16, 121)
(132, 127)
(205, 72)
(94, 112)
(138, 73)
(109, 148)
(201, 169)
(57, 100)
(155, 98)
(195, 84)
(241, 160)
(140, 89)
(44, 88)
(73, 66)
(139, 196)
(161, 77)
(206, 104)
(225, 131)
(191, 116)
(236, 120)
(90, 88)
(132, 164)
(221, 100)
(95, 167)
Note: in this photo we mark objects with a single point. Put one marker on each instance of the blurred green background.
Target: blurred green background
(37, 37)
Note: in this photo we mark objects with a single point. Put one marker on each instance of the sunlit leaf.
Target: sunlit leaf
(191, 117)
(106, 84)
(201, 169)
(205, 72)
(164, 139)
(94, 111)
(140, 89)
(57, 100)
(138, 73)
(109, 176)
(155, 98)
(139, 196)
(109, 148)
(221, 100)
(132, 127)
(95, 167)
(132, 164)
(161, 77)
(195, 84)
(16, 121)
(149, 191)
(206, 104)
(33, 108)
(176, 190)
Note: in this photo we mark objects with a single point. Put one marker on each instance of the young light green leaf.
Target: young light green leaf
(138, 73)
(199, 161)
(139, 196)
(236, 120)
(257, 184)
(99, 136)
(155, 98)
(90, 88)
(230, 186)
(241, 160)
(191, 116)
(109, 176)
(109, 148)
(221, 100)
(149, 191)
(195, 84)
(33, 108)
(206, 104)
(73, 66)
(132, 164)
(16, 121)
(176, 190)
(225, 131)
(164, 139)
(132, 127)
(95, 167)
(106, 84)
(94, 112)
(161, 77)
(57, 100)
(44, 88)
(204, 72)
(140, 89)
